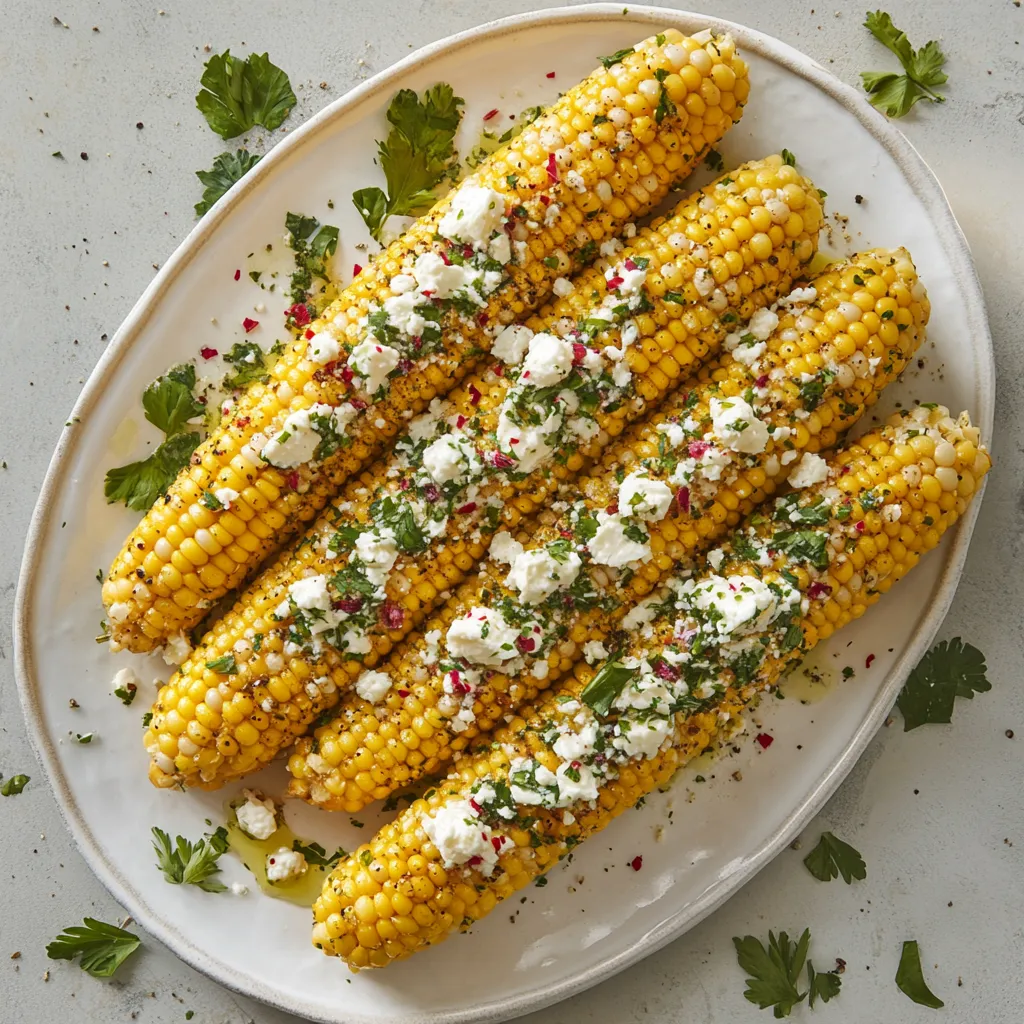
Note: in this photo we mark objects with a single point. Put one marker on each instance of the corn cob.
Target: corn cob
(416, 320)
(793, 381)
(560, 773)
(452, 481)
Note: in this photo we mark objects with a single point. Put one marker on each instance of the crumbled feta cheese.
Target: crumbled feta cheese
(443, 281)
(742, 604)
(643, 497)
(126, 677)
(225, 495)
(643, 738)
(576, 744)
(402, 312)
(462, 838)
(704, 282)
(447, 458)
(176, 650)
(762, 323)
(426, 424)
(482, 637)
(798, 296)
(548, 360)
(285, 865)
(594, 651)
(640, 615)
(378, 550)
(374, 361)
(510, 345)
(372, 685)
(322, 348)
(505, 548)
(563, 287)
(527, 442)
(537, 574)
(256, 817)
(310, 592)
(475, 214)
(611, 546)
(810, 470)
(736, 425)
(299, 438)
(238, 889)
(632, 280)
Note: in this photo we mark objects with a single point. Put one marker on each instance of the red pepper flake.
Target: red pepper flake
(818, 589)
(636, 863)
(859, 527)
(392, 615)
(238, 274)
(299, 313)
(683, 498)
(249, 324)
(765, 740)
(464, 510)
(403, 693)
(350, 605)
(467, 252)
(207, 353)
(293, 480)
(870, 658)
(347, 375)
(356, 270)
(476, 807)
(563, 532)
(475, 860)
(525, 644)
(481, 319)
(545, 200)
(491, 114)
(498, 370)
(762, 381)
(474, 395)
(612, 508)
(497, 842)
(552, 168)
(310, 334)
(663, 670)
(513, 440)
(444, 259)
(241, 422)
(502, 461)
(629, 265)
(461, 421)
(550, 74)
(696, 449)
(579, 353)
(614, 283)
(404, 485)
(432, 493)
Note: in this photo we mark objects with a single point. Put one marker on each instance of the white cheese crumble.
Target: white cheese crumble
(762, 323)
(475, 214)
(527, 443)
(460, 837)
(510, 345)
(176, 650)
(737, 427)
(124, 678)
(311, 592)
(373, 362)
(225, 495)
(563, 287)
(298, 438)
(285, 865)
(322, 348)
(744, 604)
(443, 281)
(256, 817)
(643, 497)
(810, 470)
(611, 546)
(548, 360)
(537, 574)
(372, 685)
(482, 637)
(594, 651)
(505, 548)
(447, 458)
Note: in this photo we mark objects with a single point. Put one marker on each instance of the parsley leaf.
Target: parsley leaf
(950, 669)
(773, 972)
(169, 403)
(399, 517)
(139, 484)
(226, 170)
(250, 363)
(832, 857)
(188, 863)
(607, 684)
(225, 665)
(822, 986)
(102, 947)
(418, 154)
(316, 855)
(804, 546)
(14, 785)
(910, 978)
(313, 244)
(895, 94)
(237, 94)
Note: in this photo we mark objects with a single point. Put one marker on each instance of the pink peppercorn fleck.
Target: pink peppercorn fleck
(636, 863)
(207, 353)
(249, 324)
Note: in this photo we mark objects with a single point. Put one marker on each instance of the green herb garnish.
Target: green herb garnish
(238, 94)
(950, 669)
(896, 94)
(832, 857)
(102, 947)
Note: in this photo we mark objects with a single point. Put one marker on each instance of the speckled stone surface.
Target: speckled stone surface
(936, 813)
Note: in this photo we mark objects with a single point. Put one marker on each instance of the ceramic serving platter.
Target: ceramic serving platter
(597, 915)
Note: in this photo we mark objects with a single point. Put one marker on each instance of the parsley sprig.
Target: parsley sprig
(950, 669)
(774, 973)
(185, 863)
(895, 94)
(169, 403)
(832, 857)
(238, 94)
(102, 947)
(418, 154)
(226, 170)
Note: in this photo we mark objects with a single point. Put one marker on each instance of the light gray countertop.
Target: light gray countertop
(937, 813)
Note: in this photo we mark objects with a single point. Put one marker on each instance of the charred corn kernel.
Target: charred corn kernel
(670, 489)
(548, 781)
(339, 392)
(415, 525)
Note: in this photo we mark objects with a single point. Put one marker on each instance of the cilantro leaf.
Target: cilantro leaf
(14, 785)
(250, 363)
(399, 517)
(226, 170)
(169, 403)
(237, 94)
(950, 669)
(896, 94)
(606, 685)
(832, 857)
(821, 986)
(139, 484)
(187, 863)
(102, 947)
(773, 972)
(417, 155)
(910, 978)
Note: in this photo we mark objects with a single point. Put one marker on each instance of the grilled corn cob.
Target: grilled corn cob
(550, 779)
(795, 378)
(415, 321)
(419, 522)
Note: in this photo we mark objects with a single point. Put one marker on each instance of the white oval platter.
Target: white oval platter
(570, 934)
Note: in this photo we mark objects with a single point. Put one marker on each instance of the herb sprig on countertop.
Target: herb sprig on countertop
(949, 670)
(238, 94)
(227, 169)
(774, 973)
(418, 154)
(896, 94)
(910, 978)
(185, 863)
(169, 403)
(832, 857)
(102, 947)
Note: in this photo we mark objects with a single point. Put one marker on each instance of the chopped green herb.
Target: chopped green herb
(788, 158)
(804, 545)
(313, 244)
(316, 855)
(225, 665)
(910, 977)
(84, 737)
(146, 719)
(185, 863)
(226, 170)
(541, 881)
(102, 947)
(14, 785)
(238, 94)
(832, 857)
(127, 694)
(211, 501)
(600, 693)
(169, 402)
(950, 669)
(821, 986)
(617, 57)
(896, 94)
